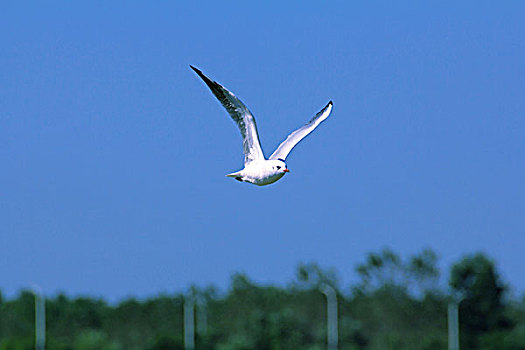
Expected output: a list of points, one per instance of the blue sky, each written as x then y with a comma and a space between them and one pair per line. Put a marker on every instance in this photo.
114, 152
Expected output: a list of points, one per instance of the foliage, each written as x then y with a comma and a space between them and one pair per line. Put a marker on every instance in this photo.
418, 276
476, 280
397, 304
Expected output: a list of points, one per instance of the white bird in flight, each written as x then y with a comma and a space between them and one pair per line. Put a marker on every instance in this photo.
257, 169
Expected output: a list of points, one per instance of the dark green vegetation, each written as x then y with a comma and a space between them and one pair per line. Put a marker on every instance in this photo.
397, 304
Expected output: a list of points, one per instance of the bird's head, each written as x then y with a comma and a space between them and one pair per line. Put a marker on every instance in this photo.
279, 166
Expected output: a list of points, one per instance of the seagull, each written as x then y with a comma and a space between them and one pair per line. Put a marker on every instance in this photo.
257, 169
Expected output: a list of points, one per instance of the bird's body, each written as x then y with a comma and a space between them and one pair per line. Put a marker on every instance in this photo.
262, 172
257, 169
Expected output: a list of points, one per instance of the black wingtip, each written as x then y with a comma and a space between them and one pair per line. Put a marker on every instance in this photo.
207, 80
330, 104
195, 69
201, 74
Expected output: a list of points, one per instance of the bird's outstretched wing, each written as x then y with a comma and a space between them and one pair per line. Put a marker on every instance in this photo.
293, 139
241, 115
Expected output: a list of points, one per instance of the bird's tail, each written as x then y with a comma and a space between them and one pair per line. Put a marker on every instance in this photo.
236, 174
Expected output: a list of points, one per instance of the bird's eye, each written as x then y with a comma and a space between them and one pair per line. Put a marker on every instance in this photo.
278, 167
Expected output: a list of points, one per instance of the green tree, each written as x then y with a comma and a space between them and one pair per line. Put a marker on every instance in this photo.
312, 276
423, 272
94, 340
418, 275
380, 270
395, 304
167, 342
482, 311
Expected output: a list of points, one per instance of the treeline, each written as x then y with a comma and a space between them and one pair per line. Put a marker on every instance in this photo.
397, 304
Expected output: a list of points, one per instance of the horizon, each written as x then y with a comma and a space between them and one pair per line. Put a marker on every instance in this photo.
225, 287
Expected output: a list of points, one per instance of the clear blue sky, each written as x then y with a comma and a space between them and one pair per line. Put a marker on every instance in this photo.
113, 152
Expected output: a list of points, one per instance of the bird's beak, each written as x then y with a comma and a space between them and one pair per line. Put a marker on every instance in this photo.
286, 170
